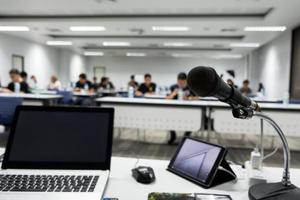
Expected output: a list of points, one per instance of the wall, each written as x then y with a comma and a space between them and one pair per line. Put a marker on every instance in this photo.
163, 70
71, 65
270, 65
40, 60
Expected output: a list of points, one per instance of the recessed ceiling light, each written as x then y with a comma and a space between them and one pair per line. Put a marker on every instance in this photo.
14, 28
116, 44
135, 54
181, 55
265, 28
170, 28
177, 44
93, 53
246, 45
87, 28
59, 43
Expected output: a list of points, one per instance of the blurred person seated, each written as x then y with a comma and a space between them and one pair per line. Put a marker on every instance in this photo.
231, 83
105, 84
261, 92
54, 84
133, 83
180, 91
147, 87
95, 83
83, 84
245, 89
17, 84
24, 76
33, 84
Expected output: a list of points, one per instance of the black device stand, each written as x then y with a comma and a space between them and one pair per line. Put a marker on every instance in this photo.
224, 174
273, 191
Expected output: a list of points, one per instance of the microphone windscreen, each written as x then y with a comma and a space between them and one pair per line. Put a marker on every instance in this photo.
203, 81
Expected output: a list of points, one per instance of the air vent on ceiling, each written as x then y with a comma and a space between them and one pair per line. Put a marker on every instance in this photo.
54, 30
228, 30
218, 46
139, 31
91, 45
153, 45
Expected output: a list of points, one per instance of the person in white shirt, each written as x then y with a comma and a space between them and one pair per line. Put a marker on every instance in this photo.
54, 83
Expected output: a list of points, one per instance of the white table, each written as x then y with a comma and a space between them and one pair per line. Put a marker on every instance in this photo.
155, 114
84, 94
124, 187
286, 115
34, 99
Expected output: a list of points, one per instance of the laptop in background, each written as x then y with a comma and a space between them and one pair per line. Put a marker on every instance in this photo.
57, 153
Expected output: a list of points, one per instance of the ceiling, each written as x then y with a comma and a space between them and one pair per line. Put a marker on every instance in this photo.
213, 24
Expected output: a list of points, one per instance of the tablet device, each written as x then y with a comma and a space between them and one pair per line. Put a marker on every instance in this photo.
197, 161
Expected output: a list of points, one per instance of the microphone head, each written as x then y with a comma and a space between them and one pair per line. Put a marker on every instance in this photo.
203, 81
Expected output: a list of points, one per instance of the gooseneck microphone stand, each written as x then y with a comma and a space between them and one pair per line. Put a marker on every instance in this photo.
283, 190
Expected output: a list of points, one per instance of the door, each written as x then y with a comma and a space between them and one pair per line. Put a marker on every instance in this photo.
18, 62
99, 72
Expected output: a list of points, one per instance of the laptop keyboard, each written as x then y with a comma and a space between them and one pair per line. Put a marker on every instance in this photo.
47, 183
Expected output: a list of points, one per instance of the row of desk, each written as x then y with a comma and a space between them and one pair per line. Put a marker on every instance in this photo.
152, 113
190, 115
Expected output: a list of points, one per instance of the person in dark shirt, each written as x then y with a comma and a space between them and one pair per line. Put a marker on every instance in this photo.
95, 83
147, 87
24, 76
83, 84
105, 84
17, 84
180, 91
133, 83
245, 89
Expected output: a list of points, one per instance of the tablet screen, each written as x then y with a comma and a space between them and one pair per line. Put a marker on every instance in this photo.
197, 160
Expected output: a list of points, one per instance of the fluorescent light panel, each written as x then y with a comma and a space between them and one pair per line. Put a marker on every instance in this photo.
59, 43
93, 53
177, 44
246, 45
135, 54
265, 28
14, 28
87, 28
116, 44
170, 28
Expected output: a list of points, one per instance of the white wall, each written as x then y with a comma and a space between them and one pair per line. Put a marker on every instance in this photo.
71, 65
164, 70
270, 65
40, 60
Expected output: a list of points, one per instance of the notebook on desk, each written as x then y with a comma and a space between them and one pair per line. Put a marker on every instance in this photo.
57, 153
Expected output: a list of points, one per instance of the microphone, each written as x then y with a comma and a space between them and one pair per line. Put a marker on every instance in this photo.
205, 81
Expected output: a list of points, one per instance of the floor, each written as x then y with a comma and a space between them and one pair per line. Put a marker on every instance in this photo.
152, 145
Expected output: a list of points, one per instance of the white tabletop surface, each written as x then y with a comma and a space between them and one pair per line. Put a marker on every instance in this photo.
149, 101
123, 186
199, 103
31, 96
84, 94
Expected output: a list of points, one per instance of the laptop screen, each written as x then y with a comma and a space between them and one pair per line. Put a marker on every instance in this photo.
56, 137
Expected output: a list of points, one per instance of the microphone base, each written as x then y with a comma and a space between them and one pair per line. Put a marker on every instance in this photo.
273, 191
